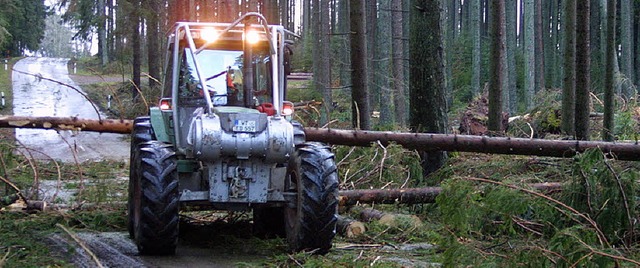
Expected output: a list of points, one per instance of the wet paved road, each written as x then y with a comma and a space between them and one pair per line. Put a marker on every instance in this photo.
39, 97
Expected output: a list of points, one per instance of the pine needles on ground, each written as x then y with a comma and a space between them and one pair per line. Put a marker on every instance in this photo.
591, 222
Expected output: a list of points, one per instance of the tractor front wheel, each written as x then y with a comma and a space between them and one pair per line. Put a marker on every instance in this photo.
142, 132
155, 201
311, 221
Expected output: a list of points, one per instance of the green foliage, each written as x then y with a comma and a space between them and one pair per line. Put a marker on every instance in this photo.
23, 26
626, 124
481, 217
573, 244
605, 194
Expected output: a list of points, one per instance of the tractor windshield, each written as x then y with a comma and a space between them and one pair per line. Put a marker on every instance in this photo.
222, 71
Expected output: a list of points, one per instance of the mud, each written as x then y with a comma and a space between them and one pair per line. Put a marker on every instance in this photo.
33, 96
115, 249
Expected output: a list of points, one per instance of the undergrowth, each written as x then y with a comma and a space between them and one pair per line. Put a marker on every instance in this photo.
590, 222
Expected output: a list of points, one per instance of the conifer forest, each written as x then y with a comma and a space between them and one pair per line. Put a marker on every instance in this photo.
494, 81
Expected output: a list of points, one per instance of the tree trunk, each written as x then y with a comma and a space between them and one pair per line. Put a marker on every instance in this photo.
476, 54
135, 47
539, 46
347, 227
102, 34
383, 64
626, 53
551, 42
511, 9
412, 141
569, 80
397, 48
154, 54
427, 88
325, 56
467, 143
609, 86
409, 196
530, 54
67, 123
496, 80
597, 52
583, 70
371, 8
359, 92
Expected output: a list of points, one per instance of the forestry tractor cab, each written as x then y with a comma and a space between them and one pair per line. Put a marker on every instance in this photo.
222, 138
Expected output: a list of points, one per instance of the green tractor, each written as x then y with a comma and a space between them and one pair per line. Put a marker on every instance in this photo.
222, 138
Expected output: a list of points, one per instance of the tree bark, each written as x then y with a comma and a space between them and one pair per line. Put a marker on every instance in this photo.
409, 195
626, 53
529, 52
496, 81
539, 46
397, 48
476, 54
427, 88
383, 64
154, 54
583, 70
413, 141
569, 80
135, 47
360, 112
102, 33
371, 8
467, 143
609, 86
511, 9
67, 123
347, 227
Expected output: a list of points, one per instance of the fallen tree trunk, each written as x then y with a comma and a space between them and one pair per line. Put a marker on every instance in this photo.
417, 141
390, 219
66, 123
411, 195
467, 143
348, 227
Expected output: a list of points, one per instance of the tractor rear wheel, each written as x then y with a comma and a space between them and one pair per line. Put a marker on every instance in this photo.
155, 201
311, 223
142, 132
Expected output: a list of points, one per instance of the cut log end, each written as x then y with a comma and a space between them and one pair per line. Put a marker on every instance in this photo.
349, 228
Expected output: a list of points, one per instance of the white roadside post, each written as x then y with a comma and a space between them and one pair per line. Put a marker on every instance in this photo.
3, 104
5, 64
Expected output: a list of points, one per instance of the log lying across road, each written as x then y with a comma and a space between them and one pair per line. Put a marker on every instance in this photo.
418, 141
67, 123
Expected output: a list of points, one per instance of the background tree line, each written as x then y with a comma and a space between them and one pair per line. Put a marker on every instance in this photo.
22, 25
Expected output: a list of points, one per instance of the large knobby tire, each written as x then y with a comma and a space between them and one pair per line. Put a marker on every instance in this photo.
155, 200
141, 133
311, 224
